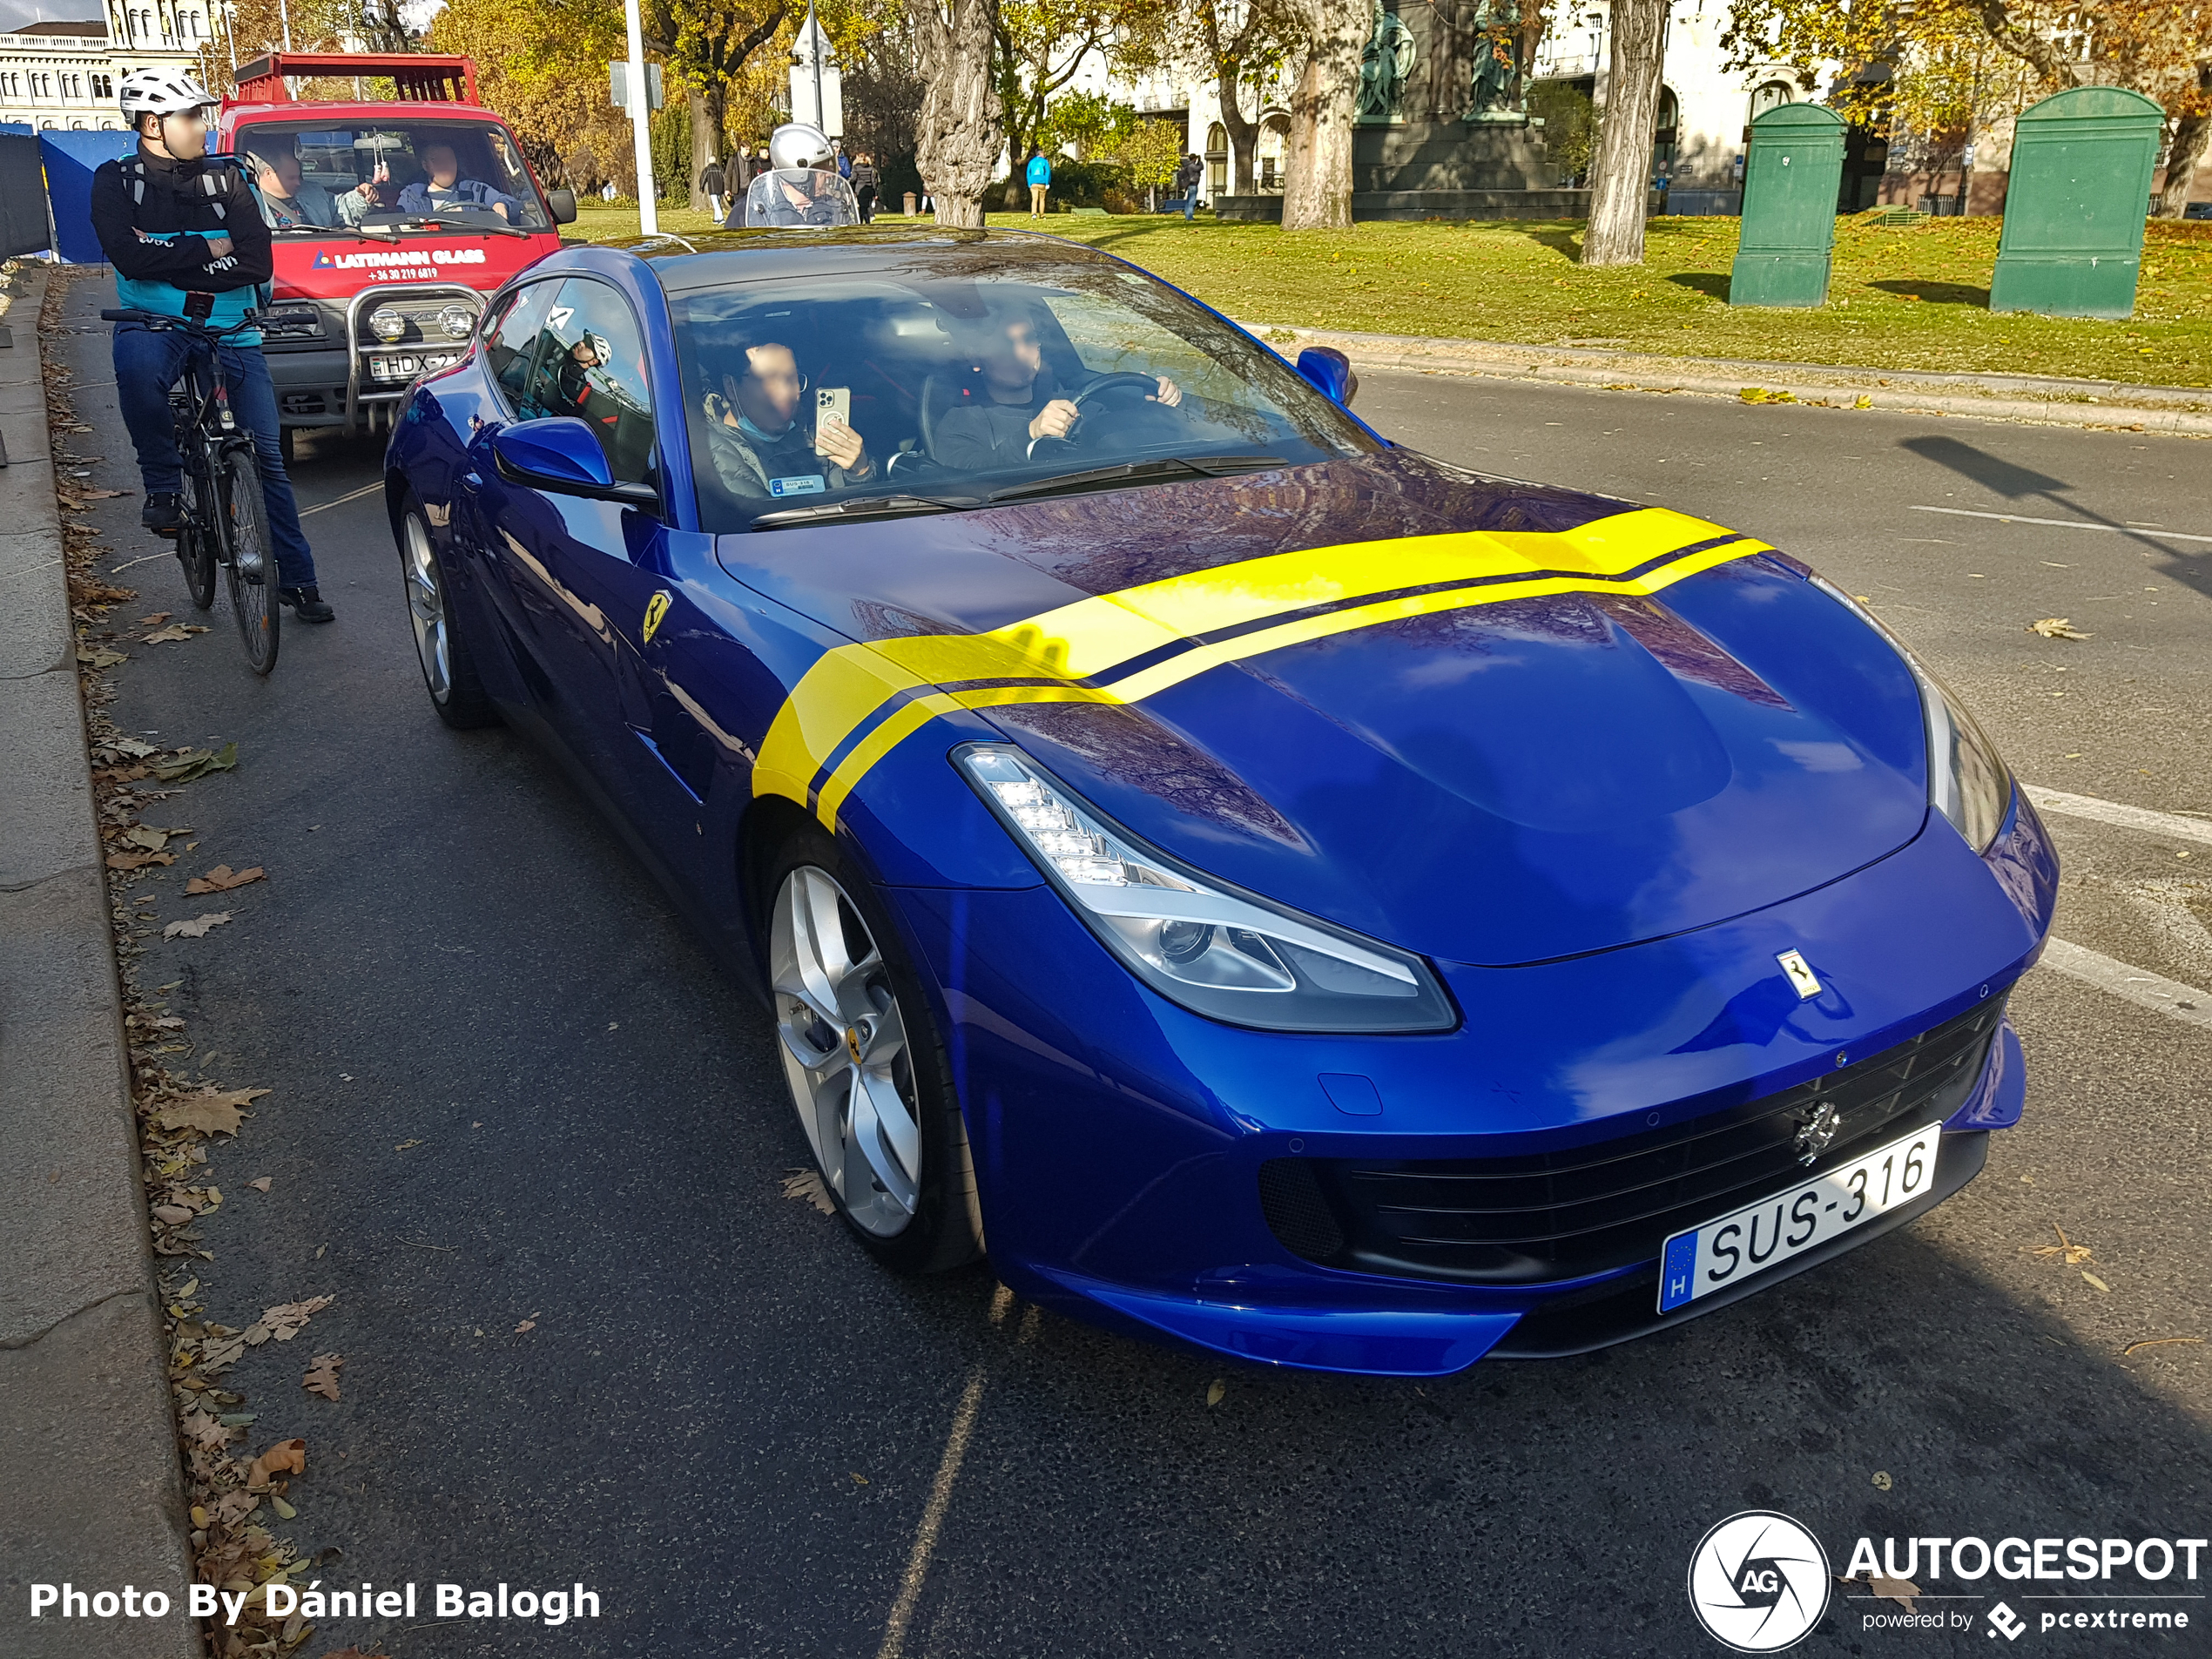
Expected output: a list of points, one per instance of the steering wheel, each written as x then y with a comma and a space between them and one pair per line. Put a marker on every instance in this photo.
1104, 383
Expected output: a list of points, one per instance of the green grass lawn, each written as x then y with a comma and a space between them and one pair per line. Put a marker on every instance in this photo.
1907, 298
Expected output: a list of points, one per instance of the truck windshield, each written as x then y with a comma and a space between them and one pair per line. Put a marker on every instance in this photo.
313, 176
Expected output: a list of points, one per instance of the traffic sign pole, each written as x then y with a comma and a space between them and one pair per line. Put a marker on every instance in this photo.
641, 116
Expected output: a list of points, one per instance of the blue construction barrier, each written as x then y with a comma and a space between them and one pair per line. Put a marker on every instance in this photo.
71, 160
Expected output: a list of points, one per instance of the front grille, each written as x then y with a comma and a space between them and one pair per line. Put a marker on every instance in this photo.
1533, 1219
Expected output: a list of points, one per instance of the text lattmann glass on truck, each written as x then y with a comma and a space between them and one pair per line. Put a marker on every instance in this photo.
393, 220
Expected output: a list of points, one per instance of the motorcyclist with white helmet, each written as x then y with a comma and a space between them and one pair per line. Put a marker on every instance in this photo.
802, 186
187, 239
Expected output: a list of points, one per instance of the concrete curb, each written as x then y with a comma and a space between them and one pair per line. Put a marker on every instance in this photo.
2178, 409
88, 1440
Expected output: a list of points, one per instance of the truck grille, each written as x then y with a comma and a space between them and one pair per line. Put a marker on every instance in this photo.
1550, 1215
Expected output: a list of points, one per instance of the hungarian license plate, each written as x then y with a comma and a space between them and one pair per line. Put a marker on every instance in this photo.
405, 366
1730, 1249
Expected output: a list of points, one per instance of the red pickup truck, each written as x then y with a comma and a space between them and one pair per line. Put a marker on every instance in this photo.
393, 221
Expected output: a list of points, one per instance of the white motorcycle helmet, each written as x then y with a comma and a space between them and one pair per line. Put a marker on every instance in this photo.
797, 146
160, 91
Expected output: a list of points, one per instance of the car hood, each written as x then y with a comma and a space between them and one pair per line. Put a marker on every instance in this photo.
1492, 722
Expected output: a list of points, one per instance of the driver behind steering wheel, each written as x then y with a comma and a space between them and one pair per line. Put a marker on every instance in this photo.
1018, 403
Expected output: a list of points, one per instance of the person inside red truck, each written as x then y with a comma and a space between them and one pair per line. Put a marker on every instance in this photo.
445, 188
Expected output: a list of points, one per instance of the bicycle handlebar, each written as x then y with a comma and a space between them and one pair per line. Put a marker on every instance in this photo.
157, 321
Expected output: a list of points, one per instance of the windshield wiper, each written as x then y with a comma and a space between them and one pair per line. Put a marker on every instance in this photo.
869, 506
335, 230
1139, 472
494, 225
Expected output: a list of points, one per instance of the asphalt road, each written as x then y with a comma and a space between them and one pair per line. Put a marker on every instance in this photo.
509, 1087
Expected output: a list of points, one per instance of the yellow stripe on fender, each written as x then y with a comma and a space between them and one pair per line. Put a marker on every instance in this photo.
1070, 654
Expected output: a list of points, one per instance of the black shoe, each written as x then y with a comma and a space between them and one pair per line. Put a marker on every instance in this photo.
164, 514
306, 604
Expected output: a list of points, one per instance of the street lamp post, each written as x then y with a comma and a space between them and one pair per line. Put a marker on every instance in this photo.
641, 122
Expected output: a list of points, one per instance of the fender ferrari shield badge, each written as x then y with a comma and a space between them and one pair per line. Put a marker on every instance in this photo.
656, 608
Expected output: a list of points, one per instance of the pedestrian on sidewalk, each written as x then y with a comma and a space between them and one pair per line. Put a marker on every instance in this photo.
714, 185
864, 186
1040, 175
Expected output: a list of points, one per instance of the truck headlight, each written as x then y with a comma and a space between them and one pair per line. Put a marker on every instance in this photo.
387, 325
1199, 944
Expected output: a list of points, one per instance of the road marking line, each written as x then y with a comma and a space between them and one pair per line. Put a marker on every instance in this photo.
2126, 817
940, 1496
366, 489
2062, 523
2152, 991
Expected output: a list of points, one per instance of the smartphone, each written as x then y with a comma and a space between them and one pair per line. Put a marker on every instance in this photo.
828, 400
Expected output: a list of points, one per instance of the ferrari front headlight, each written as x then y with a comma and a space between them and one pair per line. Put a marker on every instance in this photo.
1214, 951
1968, 782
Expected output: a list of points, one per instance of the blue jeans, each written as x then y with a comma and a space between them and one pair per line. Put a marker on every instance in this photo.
1191, 206
146, 365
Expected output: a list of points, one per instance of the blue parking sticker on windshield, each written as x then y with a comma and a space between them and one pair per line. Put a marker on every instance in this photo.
807, 483
1675, 1272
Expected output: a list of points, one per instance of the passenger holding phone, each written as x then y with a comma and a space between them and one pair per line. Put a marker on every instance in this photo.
758, 444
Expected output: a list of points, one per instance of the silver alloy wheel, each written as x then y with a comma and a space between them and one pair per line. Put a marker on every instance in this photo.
426, 606
844, 1051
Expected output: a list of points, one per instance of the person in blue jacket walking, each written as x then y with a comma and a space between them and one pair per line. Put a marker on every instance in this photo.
1040, 181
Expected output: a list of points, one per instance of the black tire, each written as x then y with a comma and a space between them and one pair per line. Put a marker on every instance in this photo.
441, 647
250, 569
195, 552
945, 1230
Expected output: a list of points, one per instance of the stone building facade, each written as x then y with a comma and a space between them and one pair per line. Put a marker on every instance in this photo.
61, 77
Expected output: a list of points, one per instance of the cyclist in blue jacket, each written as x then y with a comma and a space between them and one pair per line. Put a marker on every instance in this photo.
187, 239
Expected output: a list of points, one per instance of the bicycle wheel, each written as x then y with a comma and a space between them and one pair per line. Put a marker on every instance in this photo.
195, 545
251, 568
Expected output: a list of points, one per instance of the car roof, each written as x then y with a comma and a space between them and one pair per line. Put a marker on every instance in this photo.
685, 264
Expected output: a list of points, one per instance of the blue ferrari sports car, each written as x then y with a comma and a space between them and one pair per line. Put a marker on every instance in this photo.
1275, 891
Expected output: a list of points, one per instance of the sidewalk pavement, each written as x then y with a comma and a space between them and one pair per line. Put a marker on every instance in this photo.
2181, 409
89, 1469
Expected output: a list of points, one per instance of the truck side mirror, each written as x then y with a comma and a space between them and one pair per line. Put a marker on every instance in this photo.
562, 203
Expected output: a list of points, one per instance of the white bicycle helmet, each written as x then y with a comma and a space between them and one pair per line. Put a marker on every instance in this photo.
161, 92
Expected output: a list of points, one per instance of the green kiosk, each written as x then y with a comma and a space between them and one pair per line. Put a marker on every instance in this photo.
1790, 181
2075, 205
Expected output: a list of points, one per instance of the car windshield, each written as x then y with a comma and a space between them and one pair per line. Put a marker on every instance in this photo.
925, 388
314, 176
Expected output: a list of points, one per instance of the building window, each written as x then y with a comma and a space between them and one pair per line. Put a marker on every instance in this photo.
103, 86
1772, 94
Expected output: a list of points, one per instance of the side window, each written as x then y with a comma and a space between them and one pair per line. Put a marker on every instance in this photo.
592, 364
512, 345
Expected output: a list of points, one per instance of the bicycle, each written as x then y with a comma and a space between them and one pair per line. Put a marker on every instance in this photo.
225, 519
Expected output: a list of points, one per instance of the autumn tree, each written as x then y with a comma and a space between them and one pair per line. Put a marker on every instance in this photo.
542, 64
957, 135
1317, 183
1620, 171
1239, 44
1041, 44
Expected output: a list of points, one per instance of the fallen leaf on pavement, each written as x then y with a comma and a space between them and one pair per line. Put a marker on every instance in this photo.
157, 619
286, 1457
222, 878
100, 658
175, 1214
2056, 628
147, 836
322, 1375
137, 861
286, 1319
807, 1186
261, 1184
175, 631
203, 1430
184, 766
527, 1324
211, 1113
2095, 1280
285, 1511
1215, 1390
2072, 1254
1899, 1590
197, 927
2158, 1342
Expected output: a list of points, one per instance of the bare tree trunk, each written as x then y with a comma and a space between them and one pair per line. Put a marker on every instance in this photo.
957, 137
1229, 69
2192, 137
1317, 184
702, 148
1621, 176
